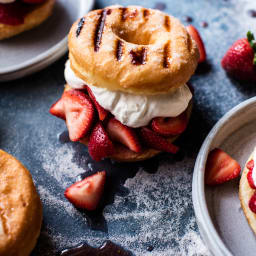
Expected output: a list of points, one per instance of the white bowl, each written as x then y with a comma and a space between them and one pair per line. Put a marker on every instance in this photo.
220, 218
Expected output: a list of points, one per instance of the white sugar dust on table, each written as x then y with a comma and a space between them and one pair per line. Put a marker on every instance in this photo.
156, 211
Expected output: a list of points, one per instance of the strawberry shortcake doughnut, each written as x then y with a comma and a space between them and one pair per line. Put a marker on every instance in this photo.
126, 95
20, 208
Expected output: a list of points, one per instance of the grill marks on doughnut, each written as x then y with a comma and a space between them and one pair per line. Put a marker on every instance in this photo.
139, 56
167, 23
80, 26
119, 49
167, 55
125, 14
99, 29
146, 13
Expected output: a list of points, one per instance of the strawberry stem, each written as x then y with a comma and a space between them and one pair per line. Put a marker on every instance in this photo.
252, 42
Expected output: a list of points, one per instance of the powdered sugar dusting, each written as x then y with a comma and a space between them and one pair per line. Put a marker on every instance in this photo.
156, 211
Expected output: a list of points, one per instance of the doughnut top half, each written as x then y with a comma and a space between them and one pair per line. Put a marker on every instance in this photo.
132, 49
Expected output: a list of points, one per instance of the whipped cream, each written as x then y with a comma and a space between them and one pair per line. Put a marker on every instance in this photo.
254, 167
131, 109
7, 1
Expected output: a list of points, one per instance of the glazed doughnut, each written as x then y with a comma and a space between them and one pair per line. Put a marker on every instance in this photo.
245, 194
20, 208
133, 49
32, 19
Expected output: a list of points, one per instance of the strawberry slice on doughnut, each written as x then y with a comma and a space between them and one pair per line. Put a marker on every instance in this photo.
252, 203
100, 145
250, 166
170, 125
123, 134
154, 140
79, 112
57, 109
101, 111
77, 109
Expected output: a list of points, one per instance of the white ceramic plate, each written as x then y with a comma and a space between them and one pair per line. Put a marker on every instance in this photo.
35, 49
220, 217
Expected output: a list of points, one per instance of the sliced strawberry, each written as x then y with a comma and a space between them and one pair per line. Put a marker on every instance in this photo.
101, 111
123, 134
170, 125
57, 109
100, 145
196, 36
79, 112
153, 140
86, 193
220, 167
250, 166
252, 203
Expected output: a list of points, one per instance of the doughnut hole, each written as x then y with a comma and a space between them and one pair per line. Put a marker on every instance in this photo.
138, 36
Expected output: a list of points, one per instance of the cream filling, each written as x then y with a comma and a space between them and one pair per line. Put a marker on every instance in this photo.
131, 109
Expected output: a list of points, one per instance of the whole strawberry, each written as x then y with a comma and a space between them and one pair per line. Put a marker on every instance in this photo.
240, 59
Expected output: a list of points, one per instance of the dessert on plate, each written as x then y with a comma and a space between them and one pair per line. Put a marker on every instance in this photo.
20, 208
126, 95
247, 191
17, 16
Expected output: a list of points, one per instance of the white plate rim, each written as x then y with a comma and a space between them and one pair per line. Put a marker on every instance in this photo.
205, 224
58, 50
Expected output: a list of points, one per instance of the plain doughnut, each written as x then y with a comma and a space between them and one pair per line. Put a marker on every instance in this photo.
20, 208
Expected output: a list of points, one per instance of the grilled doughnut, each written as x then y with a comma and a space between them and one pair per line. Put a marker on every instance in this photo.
133, 49
20, 208
32, 19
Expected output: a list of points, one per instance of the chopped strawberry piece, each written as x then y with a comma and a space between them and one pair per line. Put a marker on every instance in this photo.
100, 145
250, 180
170, 125
154, 140
79, 112
86, 194
252, 203
77, 109
57, 109
123, 134
196, 36
250, 166
101, 111
220, 167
